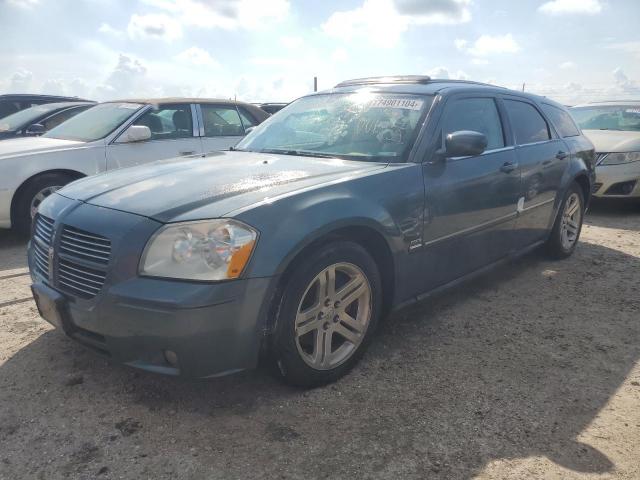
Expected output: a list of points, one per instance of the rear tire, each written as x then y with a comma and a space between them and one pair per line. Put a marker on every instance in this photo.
568, 225
327, 315
32, 195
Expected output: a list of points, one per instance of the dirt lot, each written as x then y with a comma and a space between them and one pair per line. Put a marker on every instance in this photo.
529, 372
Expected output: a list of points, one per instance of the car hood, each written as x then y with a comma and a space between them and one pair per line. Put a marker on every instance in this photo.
30, 145
614, 140
209, 187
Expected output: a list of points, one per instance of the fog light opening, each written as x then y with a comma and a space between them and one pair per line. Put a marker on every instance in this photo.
171, 357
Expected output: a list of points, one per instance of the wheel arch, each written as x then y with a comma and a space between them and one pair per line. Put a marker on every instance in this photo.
367, 236
74, 174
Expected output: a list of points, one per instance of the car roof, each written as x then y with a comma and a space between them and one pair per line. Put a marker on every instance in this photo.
422, 84
30, 96
178, 100
54, 105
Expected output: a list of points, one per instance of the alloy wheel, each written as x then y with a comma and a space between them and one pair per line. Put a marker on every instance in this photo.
571, 219
333, 316
40, 196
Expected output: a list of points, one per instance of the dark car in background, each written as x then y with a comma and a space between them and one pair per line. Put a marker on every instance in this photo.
352, 202
40, 119
272, 107
14, 102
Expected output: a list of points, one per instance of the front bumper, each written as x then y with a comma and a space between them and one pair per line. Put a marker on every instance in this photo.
610, 177
212, 329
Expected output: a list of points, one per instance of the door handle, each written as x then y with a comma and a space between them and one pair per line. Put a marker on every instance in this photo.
508, 167
561, 155
191, 152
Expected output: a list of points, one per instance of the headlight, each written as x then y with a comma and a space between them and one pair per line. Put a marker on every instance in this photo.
620, 158
205, 250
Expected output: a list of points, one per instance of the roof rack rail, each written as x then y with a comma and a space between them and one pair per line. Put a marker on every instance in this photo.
422, 79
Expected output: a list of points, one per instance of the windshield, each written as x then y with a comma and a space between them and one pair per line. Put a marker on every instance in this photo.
25, 117
355, 126
618, 117
94, 123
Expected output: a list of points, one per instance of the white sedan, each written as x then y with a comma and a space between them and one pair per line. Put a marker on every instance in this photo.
114, 135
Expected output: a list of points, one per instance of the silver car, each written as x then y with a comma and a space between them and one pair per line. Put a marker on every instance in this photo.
614, 129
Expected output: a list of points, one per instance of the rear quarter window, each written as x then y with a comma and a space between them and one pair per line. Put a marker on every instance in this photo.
561, 120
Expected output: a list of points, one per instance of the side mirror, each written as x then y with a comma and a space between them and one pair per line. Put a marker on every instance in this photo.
249, 130
35, 129
465, 143
135, 133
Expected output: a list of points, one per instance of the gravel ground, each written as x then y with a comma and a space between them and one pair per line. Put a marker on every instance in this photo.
529, 372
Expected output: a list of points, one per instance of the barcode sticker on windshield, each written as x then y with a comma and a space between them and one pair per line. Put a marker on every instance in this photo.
406, 103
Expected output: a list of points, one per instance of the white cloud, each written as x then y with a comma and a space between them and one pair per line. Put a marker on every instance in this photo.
197, 56
20, 81
561, 7
292, 42
445, 74
480, 61
24, 3
54, 86
460, 43
109, 30
487, 45
627, 47
339, 55
567, 65
126, 80
228, 14
155, 26
384, 21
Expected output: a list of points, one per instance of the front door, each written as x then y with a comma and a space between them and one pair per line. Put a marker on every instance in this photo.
172, 135
471, 202
543, 159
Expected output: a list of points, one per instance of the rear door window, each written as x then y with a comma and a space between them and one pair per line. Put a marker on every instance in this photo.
561, 120
221, 121
478, 115
527, 123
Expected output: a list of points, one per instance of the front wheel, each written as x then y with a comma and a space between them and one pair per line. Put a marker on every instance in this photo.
33, 195
328, 312
568, 225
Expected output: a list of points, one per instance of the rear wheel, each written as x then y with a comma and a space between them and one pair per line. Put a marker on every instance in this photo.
34, 193
328, 312
568, 225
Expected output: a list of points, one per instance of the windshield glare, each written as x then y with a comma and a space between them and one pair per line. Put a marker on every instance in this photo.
618, 117
25, 117
358, 126
94, 123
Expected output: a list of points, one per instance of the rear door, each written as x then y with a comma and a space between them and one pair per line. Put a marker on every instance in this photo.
470, 201
222, 126
543, 158
172, 135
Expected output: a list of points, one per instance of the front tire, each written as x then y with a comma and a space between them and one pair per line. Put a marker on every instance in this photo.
328, 312
32, 195
568, 225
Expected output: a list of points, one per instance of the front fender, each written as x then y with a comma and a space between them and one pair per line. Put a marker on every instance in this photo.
389, 202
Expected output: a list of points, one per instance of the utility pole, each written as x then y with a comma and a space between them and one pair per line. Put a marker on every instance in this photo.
523, 86
315, 84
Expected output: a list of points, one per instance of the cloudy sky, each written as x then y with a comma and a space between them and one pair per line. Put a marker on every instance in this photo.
270, 50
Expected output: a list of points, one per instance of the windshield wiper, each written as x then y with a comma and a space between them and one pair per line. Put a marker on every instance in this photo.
299, 153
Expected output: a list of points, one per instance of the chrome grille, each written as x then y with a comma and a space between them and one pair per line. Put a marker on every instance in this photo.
85, 245
83, 257
42, 235
80, 280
